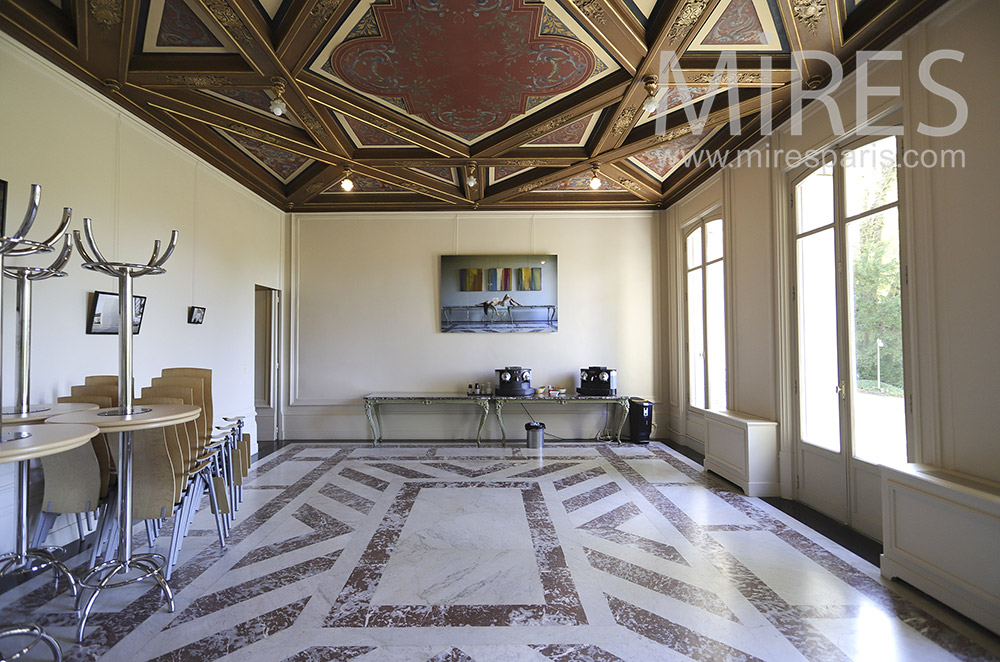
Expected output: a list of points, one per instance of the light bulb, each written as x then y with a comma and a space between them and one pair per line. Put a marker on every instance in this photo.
278, 106
471, 181
595, 181
347, 184
649, 105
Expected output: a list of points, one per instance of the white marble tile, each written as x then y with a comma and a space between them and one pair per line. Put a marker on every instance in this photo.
793, 576
657, 471
285, 473
467, 518
703, 506
460, 577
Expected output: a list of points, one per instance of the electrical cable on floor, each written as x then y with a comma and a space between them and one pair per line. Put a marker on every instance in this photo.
553, 436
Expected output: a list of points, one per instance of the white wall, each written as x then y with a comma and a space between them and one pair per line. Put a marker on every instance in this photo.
137, 186
952, 237
365, 316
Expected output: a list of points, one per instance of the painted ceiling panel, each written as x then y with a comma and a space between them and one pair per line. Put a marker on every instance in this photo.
663, 160
281, 163
581, 183
744, 26
467, 68
414, 91
574, 134
173, 26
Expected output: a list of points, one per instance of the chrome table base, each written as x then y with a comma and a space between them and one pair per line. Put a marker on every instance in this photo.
38, 636
100, 578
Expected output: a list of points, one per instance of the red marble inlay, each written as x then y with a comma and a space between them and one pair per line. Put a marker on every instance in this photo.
466, 67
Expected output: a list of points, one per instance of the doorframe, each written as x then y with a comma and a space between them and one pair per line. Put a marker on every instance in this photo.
274, 355
786, 280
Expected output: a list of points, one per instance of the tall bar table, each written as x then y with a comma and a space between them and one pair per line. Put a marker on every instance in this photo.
149, 565
29, 442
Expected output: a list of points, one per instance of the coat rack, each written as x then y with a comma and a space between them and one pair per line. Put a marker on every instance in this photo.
16, 245
25, 276
149, 565
24, 559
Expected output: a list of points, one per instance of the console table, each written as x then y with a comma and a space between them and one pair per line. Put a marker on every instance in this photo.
611, 429
374, 402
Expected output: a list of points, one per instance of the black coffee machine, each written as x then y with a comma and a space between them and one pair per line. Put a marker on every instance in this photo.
514, 381
598, 380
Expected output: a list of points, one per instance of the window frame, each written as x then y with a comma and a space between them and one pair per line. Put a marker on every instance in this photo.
700, 223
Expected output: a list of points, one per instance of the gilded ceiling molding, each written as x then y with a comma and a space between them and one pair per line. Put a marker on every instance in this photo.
322, 11
230, 20
630, 184
520, 162
107, 12
592, 9
689, 15
728, 77
313, 124
316, 187
624, 121
547, 127
809, 12
200, 81
525, 188
257, 134
672, 134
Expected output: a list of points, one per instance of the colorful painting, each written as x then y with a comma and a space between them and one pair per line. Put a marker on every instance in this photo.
470, 280
529, 279
499, 280
514, 300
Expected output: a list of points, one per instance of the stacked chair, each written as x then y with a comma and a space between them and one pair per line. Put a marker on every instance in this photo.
175, 466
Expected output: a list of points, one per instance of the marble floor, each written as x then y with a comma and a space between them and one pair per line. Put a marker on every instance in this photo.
581, 552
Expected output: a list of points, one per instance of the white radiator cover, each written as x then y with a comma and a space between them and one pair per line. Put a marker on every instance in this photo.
941, 534
743, 449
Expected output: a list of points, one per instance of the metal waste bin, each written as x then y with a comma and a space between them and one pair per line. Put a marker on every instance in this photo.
536, 434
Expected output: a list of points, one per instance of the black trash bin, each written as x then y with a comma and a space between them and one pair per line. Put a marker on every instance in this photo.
640, 420
536, 434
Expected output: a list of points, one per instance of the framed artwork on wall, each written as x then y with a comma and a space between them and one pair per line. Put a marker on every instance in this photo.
532, 308
196, 315
102, 316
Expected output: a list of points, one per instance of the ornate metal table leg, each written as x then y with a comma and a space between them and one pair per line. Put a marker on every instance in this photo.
503, 430
30, 631
485, 404
371, 421
623, 402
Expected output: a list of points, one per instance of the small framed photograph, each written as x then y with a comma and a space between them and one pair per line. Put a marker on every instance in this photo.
3, 207
196, 315
103, 318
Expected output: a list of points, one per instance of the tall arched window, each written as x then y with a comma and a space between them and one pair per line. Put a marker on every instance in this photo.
706, 314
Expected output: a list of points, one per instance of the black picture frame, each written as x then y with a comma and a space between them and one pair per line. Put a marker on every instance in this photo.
3, 208
196, 315
102, 315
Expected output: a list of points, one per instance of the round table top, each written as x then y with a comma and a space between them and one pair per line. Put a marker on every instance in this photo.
159, 416
44, 440
47, 411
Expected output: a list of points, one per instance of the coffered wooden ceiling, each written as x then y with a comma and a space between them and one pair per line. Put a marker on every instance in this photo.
414, 95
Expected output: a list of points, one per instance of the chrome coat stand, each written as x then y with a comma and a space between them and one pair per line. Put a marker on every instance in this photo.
20, 560
149, 565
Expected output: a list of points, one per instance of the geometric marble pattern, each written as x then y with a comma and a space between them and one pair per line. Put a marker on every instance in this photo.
578, 552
